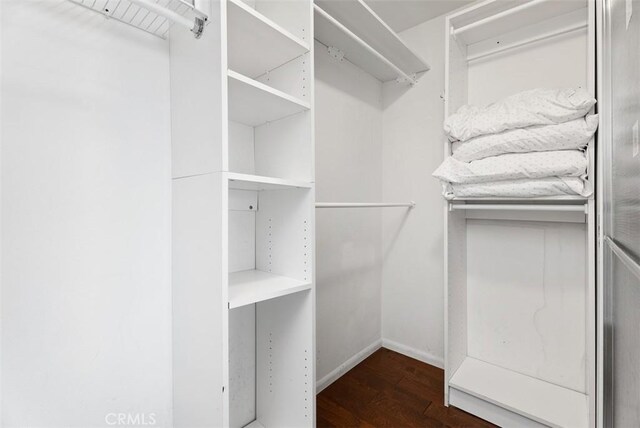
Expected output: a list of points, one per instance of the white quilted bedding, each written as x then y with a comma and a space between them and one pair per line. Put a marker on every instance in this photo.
529, 108
515, 166
536, 188
572, 135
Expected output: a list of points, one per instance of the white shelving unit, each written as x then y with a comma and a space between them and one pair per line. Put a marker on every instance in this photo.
519, 275
243, 223
366, 40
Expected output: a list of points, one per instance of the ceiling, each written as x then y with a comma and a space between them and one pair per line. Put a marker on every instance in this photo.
403, 14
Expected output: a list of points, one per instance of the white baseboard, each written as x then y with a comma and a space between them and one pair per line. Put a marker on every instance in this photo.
347, 365
423, 356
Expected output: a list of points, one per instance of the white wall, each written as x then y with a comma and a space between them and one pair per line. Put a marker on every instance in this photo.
413, 272
85, 218
349, 169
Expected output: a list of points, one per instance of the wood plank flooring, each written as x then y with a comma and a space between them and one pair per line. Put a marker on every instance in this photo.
390, 390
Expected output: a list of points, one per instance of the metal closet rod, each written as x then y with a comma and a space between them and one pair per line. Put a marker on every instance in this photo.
489, 19
529, 41
582, 208
409, 205
196, 25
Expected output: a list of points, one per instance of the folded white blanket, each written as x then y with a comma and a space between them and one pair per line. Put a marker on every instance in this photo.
515, 166
572, 135
538, 188
528, 108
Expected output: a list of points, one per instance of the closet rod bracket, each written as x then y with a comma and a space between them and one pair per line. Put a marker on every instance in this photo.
411, 79
336, 53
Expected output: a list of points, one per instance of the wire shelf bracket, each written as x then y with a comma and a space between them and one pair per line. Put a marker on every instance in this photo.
152, 16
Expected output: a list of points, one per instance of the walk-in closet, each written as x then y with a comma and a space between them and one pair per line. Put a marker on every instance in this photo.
319, 213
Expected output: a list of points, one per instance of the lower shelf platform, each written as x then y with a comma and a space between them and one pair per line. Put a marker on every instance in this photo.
252, 286
532, 398
254, 424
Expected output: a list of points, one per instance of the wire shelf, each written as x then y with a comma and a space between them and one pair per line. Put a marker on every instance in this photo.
145, 19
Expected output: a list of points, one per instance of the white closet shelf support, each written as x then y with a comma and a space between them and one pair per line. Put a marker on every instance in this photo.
581, 208
409, 205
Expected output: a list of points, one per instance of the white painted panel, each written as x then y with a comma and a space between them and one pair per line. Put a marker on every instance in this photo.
199, 300
86, 218
243, 200
285, 384
197, 92
241, 152
242, 366
242, 240
559, 62
284, 148
294, 15
527, 298
291, 78
284, 233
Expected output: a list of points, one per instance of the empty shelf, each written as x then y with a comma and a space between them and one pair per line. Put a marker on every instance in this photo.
358, 18
254, 424
253, 103
533, 398
257, 44
251, 286
255, 182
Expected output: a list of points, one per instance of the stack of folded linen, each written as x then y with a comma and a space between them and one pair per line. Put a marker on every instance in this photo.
531, 144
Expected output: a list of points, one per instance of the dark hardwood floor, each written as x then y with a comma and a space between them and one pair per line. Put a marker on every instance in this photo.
390, 390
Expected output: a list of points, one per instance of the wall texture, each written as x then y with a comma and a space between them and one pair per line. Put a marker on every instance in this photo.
348, 169
86, 192
413, 273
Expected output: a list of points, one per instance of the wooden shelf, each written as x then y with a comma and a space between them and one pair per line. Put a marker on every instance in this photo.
533, 398
251, 286
489, 22
256, 182
387, 51
257, 44
253, 103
